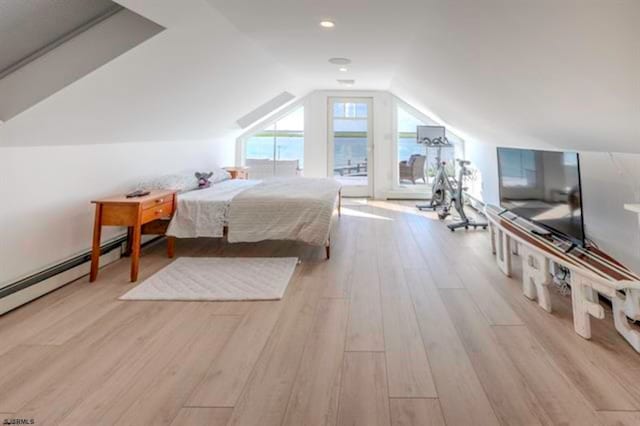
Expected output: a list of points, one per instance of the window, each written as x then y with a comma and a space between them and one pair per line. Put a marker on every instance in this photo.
418, 164
278, 150
411, 155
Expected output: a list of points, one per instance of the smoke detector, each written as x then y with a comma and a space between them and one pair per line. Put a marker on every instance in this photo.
340, 61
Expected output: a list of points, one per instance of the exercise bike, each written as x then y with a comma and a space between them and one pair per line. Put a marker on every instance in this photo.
457, 201
440, 190
441, 181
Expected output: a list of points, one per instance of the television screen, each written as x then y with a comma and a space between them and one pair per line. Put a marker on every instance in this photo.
543, 186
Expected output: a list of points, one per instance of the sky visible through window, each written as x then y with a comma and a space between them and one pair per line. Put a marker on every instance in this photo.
282, 140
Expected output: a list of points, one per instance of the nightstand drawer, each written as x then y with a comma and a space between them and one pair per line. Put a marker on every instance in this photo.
119, 215
154, 212
157, 201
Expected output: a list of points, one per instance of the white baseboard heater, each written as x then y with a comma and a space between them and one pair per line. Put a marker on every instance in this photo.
32, 287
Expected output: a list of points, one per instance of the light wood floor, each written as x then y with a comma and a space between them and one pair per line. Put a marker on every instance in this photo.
408, 323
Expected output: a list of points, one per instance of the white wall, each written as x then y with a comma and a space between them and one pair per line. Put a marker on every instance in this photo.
608, 182
484, 159
169, 104
46, 216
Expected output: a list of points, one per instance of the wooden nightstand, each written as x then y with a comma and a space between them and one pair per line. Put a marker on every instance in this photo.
238, 172
132, 213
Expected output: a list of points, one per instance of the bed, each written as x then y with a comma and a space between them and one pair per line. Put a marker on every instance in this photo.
299, 209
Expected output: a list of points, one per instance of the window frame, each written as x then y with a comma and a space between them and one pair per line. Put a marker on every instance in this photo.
396, 186
263, 124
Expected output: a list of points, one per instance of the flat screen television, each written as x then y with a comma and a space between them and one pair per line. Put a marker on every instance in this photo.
544, 187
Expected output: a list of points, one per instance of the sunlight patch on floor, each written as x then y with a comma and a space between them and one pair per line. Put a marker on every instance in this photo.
358, 213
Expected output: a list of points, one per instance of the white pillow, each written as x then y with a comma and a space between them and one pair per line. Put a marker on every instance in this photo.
219, 175
176, 182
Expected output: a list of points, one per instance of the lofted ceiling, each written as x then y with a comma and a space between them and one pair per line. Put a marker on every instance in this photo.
374, 34
564, 73
559, 73
547, 73
192, 81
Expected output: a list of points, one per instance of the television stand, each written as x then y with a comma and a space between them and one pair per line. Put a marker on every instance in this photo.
545, 234
593, 272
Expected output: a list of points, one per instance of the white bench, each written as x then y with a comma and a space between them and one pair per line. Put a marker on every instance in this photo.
592, 273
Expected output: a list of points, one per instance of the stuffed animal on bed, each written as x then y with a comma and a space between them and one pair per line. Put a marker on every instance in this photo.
203, 179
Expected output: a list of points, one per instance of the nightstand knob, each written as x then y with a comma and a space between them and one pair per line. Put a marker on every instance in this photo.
160, 200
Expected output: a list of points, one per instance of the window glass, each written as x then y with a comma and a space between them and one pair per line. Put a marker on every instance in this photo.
412, 157
278, 150
418, 164
350, 142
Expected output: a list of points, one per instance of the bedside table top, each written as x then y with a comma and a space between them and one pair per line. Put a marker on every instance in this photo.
236, 169
122, 199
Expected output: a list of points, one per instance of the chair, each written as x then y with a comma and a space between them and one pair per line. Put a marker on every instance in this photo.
287, 168
413, 168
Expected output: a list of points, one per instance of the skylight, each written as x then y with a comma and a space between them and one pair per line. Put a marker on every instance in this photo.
30, 28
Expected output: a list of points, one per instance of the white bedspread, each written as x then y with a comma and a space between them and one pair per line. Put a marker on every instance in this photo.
204, 212
284, 209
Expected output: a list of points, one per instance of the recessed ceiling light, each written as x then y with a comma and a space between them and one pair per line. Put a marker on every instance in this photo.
343, 69
340, 61
327, 24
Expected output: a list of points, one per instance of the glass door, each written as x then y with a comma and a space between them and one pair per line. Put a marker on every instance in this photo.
351, 145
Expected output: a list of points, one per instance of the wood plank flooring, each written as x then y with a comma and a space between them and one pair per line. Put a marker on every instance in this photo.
407, 324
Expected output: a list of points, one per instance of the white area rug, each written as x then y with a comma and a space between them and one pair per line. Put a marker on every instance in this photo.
219, 278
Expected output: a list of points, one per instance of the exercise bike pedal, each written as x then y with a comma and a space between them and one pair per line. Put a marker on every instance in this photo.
423, 207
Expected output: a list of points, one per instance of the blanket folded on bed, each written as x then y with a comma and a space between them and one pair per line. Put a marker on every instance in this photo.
284, 209
204, 212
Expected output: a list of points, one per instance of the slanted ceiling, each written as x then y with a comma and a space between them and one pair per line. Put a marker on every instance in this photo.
564, 73
189, 82
30, 26
548, 73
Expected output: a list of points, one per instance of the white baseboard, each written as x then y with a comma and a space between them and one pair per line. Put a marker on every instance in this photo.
30, 293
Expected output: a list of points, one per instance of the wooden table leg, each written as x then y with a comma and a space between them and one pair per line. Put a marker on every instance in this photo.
127, 252
328, 248
135, 252
171, 247
95, 249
